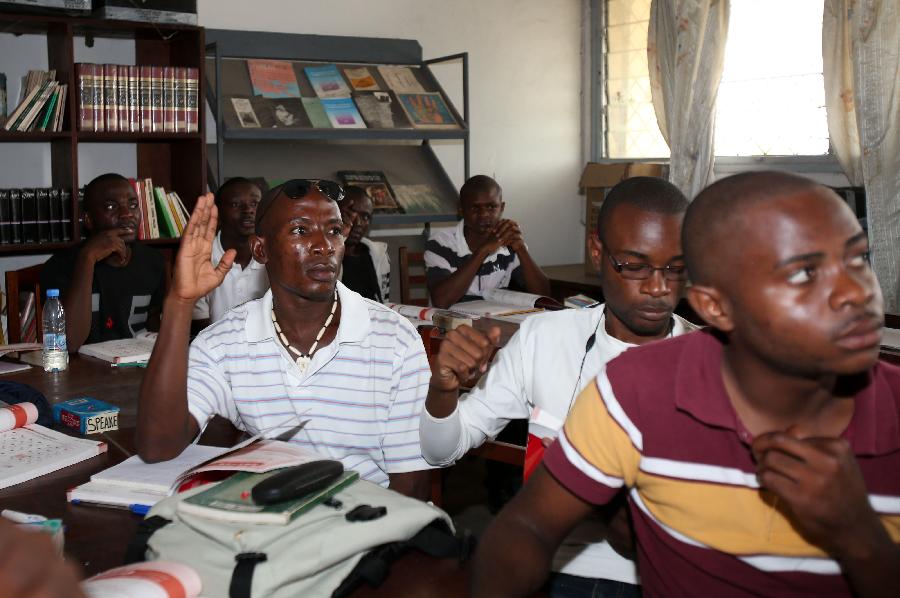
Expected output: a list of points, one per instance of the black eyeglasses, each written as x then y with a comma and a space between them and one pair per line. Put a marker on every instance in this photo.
643, 271
298, 189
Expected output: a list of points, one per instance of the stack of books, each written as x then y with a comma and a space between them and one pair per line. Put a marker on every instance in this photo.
163, 214
35, 215
43, 104
145, 99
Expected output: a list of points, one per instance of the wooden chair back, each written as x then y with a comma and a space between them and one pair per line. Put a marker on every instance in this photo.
18, 281
413, 288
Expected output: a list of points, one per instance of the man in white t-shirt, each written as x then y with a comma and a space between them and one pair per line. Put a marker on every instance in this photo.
236, 201
636, 249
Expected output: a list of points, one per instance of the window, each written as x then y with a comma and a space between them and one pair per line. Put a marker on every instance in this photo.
771, 98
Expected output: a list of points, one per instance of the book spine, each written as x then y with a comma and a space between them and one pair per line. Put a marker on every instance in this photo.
15, 215
180, 99
49, 109
65, 214
34, 100
173, 210
156, 98
192, 100
84, 74
61, 108
29, 216
97, 79
134, 99
5, 214
42, 219
151, 209
144, 87
169, 108
55, 216
122, 97
111, 97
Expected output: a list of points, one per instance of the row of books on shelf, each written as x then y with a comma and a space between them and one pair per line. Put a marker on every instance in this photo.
144, 99
43, 104
163, 214
345, 98
35, 215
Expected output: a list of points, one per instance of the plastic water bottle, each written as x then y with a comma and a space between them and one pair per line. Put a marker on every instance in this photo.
56, 353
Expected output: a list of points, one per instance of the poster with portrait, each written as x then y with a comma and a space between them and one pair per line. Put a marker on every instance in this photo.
376, 186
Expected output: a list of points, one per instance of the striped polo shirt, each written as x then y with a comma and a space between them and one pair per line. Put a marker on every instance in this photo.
658, 421
447, 251
362, 393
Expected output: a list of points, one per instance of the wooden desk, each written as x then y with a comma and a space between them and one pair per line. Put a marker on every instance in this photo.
570, 279
91, 377
96, 537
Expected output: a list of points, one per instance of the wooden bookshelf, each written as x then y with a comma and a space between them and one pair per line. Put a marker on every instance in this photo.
176, 161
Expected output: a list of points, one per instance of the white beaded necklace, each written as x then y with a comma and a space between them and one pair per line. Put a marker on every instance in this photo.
303, 359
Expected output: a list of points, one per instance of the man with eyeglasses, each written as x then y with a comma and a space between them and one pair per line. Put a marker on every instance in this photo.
636, 249
309, 349
483, 252
366, 267
760, 455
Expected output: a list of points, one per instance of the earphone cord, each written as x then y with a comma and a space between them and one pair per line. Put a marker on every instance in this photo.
587, 349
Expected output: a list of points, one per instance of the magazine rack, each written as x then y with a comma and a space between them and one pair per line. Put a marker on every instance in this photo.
404, 155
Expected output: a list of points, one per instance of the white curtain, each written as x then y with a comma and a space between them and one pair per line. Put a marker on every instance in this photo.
686, 53
861, 60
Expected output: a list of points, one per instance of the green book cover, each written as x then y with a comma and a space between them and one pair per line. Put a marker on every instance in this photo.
316, 113
162, 209
48, 111
230, 500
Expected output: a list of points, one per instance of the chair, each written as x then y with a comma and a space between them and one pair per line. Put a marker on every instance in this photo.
414, 260
18, 281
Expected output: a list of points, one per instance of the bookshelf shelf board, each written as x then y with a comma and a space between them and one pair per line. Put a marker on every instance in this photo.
349, 134
164, 242
133, 137
6, 248
410, 219
18, 136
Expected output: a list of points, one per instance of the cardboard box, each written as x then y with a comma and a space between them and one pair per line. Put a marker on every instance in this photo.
87, 415
74, 7
596, 181
180, 12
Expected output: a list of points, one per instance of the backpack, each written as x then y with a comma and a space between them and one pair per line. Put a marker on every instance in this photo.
322, 552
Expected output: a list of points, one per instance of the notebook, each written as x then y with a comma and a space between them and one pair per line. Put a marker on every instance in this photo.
126, 350
33, 451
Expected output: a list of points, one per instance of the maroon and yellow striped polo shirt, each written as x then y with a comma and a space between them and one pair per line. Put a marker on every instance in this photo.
657, 420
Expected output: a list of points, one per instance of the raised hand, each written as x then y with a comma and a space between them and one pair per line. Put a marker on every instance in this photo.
194, 274
463, 353
821, 486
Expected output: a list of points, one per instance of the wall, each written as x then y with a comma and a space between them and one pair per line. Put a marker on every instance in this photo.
524, 90
524, 82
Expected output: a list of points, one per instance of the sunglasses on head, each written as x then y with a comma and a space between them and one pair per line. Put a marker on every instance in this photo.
298, 189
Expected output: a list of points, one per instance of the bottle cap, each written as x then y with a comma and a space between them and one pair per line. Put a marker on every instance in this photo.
53, 292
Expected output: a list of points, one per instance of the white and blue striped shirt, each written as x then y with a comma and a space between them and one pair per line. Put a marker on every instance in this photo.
363, 393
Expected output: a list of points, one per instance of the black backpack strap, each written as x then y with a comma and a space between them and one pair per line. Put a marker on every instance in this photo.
435, 539
136, 552
242, 576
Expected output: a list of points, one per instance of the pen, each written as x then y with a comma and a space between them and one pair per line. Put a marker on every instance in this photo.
19, 517
138, 364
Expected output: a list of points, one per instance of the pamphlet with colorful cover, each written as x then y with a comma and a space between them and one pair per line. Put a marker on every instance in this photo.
427, 110
327, 81
273, 78
316, 113
342, 113
361, 79
376, 186
231, 500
